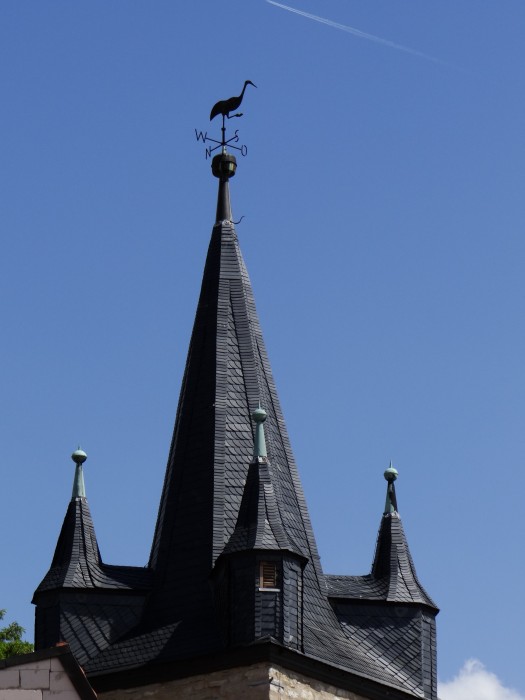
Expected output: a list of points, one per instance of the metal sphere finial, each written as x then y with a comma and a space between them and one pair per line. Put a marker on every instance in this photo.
259, 415
79, 456
224, 165
391, 474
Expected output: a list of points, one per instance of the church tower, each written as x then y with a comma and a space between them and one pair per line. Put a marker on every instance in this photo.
233, 602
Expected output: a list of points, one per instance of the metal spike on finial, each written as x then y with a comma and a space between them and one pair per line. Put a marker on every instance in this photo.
391, 475
79, 489
259, 445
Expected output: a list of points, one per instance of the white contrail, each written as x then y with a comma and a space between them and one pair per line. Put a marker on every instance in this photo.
357, 32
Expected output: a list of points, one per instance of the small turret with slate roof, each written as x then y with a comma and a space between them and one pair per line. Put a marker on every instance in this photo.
81, 600
234, 578
259, 575
393, 563
389, 611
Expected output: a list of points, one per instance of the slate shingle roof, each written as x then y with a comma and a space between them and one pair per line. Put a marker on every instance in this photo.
356, 587
93, 623
388, 612
227, 376
77, 562
259, 524
393, 577
214, 501
394, 566
392, 636
98, 602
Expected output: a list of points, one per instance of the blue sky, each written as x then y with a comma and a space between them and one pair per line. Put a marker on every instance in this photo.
383, 207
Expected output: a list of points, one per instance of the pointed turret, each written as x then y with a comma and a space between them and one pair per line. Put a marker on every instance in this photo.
393, 564
76, 562
260, 556
259, 525
391, 598
108, 599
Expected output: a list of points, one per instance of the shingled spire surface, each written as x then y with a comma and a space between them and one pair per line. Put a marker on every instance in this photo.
393, 564
76, 562
259, 525
227, 376
229, 513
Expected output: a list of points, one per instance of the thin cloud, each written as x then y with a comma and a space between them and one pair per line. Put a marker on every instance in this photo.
475, 682
357, 32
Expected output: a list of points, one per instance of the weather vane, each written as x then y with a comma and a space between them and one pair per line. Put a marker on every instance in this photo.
224, 107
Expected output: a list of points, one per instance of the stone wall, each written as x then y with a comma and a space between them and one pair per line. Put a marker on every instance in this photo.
257, 682
286, 684
43, 679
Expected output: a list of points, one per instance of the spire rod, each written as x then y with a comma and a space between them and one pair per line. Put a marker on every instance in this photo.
259, 445
79, 489
223, 166
391, 500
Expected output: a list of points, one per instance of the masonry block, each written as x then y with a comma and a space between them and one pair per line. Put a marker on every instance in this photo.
10, 678
60, 681
43, 664
18, 694
59, 695
34, 679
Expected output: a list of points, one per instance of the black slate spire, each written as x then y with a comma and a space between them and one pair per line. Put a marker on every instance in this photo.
227, 376
234, 572
393, 564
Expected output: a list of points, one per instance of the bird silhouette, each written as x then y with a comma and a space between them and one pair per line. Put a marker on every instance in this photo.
224, 107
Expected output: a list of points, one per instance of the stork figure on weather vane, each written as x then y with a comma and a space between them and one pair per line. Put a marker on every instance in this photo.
224, 107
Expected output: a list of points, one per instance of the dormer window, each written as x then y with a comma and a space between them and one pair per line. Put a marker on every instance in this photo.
268, 576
